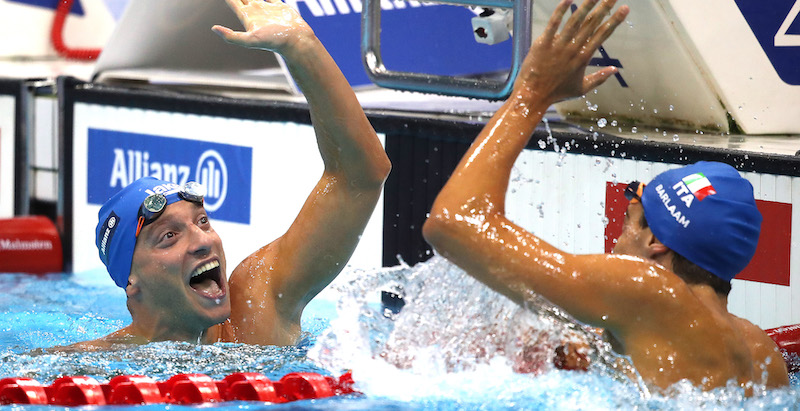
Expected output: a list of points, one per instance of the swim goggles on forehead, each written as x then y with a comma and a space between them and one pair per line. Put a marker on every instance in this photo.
633, 192
153, 206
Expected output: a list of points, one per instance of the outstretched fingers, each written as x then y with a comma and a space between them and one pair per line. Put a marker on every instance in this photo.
575, 22
605, 31
236, 6
594, 80
594, 20
555, 20
601, 34
230, 36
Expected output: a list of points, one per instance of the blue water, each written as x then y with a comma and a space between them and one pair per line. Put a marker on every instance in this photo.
455, 345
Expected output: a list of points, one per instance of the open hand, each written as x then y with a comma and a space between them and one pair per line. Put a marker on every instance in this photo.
555, 65
269, 24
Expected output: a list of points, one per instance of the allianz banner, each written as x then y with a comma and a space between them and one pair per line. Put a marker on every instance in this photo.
115, 159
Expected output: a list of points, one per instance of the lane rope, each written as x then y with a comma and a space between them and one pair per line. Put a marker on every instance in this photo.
179, 389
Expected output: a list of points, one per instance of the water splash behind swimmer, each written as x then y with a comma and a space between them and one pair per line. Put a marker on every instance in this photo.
450, 323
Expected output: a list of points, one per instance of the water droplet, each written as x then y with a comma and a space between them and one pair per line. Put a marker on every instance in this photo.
675, 137
655, 111
671, 107
602, 122
634, 130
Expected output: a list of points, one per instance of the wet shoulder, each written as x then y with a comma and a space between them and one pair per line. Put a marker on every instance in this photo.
652, 288
120, 339
768, 362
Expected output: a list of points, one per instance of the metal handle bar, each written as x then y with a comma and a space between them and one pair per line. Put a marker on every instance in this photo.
448, 85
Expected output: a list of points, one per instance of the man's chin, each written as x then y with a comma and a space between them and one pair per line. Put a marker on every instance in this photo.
218, 313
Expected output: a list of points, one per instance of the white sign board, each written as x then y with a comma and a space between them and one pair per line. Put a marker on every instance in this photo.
7, 150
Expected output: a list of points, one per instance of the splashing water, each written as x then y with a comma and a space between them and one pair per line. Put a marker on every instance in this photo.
455, 345
441, 341
459, 342
159, 360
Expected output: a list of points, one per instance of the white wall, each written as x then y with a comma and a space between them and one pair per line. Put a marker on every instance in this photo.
7, 146
25, 29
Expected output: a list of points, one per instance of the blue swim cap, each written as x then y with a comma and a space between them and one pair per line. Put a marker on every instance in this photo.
705, 212
117, 221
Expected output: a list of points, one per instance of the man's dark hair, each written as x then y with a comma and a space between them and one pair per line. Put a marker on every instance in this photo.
691, 273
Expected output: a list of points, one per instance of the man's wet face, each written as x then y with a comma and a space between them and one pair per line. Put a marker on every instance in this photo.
633, 240
179, 268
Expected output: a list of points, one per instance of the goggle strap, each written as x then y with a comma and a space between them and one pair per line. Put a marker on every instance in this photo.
634, 195
139, 225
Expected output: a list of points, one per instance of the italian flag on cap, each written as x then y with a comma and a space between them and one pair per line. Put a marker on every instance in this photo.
699, 185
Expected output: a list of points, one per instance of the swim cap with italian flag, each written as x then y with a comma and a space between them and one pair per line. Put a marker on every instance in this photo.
705, 212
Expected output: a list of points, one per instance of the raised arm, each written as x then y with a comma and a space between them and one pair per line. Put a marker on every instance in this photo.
271, 287
468, 224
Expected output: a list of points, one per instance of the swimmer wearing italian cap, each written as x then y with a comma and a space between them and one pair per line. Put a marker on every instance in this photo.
158, 244
661, 297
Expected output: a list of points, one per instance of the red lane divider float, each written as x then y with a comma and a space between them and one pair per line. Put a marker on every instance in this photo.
180, 389
788, 340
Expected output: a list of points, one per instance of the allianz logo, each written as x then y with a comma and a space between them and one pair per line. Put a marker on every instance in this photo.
322, 8
210, 171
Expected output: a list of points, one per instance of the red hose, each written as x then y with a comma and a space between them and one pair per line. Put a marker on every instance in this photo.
56, 35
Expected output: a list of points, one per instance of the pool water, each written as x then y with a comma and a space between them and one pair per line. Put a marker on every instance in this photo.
454, 345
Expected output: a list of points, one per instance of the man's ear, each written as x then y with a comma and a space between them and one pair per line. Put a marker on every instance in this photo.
655, 248
132, 288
